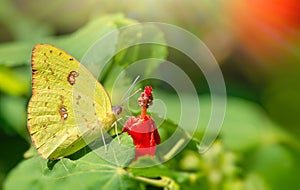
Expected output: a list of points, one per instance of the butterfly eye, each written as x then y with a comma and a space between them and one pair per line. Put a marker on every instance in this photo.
117, 109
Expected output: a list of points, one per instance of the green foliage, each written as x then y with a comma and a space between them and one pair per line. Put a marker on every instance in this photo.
251, 151
223, 166
16, 107
90, 171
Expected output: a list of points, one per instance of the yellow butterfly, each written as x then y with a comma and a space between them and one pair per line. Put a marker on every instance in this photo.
69, 108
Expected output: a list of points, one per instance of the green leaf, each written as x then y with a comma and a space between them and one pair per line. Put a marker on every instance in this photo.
13, 113
21, 26
174, 139
154, 168
118, 153
77, 43
13, 148
245, 125
277, 165
131, 49
15, 53
157, 175
138, 42
14, 81
89, 172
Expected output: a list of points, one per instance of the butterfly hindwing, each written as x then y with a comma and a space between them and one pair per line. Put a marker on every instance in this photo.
68, 108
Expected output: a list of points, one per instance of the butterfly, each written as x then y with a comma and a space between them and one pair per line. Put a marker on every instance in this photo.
69, 108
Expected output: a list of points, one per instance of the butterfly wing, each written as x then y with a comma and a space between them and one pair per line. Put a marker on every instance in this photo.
68, 108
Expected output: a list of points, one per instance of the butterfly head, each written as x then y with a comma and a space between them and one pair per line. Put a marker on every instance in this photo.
117, 110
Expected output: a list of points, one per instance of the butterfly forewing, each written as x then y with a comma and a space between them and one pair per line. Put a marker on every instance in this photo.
68, 108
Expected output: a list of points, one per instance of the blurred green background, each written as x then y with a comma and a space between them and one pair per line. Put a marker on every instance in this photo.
256, 43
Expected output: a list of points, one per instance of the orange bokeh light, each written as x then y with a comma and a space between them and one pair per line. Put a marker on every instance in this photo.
266, 30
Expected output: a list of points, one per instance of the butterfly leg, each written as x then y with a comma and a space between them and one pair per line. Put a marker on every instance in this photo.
64, 166
105, 147
116, 130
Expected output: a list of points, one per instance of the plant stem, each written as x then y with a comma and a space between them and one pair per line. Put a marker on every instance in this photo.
144, 112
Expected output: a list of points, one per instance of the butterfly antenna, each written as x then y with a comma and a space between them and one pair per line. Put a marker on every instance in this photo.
128, 97
125, 97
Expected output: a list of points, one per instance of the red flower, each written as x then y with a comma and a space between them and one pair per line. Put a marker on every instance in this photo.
142, 128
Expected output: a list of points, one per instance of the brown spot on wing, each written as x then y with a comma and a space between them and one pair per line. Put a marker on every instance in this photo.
45, 126
77, 99
51, 70
72, 77
63, 112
